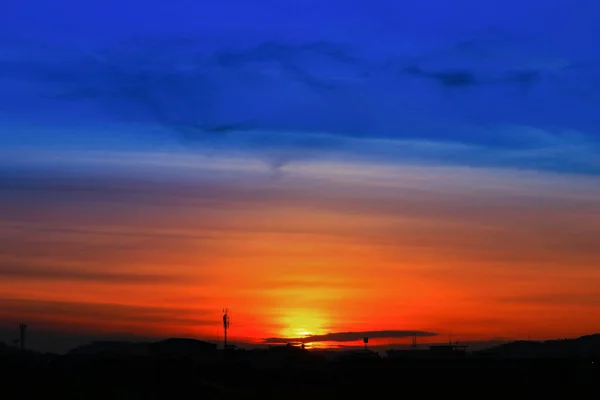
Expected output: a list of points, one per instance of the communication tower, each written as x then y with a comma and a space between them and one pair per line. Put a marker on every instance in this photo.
225, 327
22, 328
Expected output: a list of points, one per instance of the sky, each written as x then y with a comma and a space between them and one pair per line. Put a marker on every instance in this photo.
317, 168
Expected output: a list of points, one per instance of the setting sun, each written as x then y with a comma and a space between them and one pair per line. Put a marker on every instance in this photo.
303, 323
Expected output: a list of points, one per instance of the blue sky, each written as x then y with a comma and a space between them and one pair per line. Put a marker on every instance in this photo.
473, 83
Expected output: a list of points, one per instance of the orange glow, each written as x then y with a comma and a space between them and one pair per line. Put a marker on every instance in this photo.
479, 262
303, 323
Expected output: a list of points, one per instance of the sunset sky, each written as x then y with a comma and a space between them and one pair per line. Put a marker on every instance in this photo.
316, 167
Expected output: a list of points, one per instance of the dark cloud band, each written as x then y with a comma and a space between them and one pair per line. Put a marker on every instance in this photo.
350, 336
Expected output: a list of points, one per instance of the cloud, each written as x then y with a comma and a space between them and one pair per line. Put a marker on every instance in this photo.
194, 187
49, 313
275, 86
350, 336
187, 180
449, 78
223, 100
492, 56
50, 273
554, 299
512, 146
133, 233
508, 146
302, 283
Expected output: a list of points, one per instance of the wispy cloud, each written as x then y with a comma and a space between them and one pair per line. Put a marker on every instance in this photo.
50, 313
556, 299
510, 146
50, 273
223, 97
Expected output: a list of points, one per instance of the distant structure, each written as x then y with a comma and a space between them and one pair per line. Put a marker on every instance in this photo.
434, 352
448, 350
225, 327
414, 340
22, 328
366, 342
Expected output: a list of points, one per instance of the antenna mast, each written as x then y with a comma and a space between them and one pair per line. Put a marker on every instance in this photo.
22, 328
225, 327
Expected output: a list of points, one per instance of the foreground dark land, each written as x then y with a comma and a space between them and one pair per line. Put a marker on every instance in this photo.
151, 378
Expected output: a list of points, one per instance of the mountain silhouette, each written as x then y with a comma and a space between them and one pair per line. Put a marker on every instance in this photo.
112, 348
173, 347
180, 348
582, 347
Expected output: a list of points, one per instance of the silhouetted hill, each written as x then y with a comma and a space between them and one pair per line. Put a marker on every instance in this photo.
165, 370
180, 348
583, 347
174, 347
112, 348
6, 349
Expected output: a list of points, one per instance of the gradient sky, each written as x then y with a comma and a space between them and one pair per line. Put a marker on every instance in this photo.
316, 167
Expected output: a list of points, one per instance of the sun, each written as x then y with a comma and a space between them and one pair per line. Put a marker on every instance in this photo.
303, 323
303, 333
